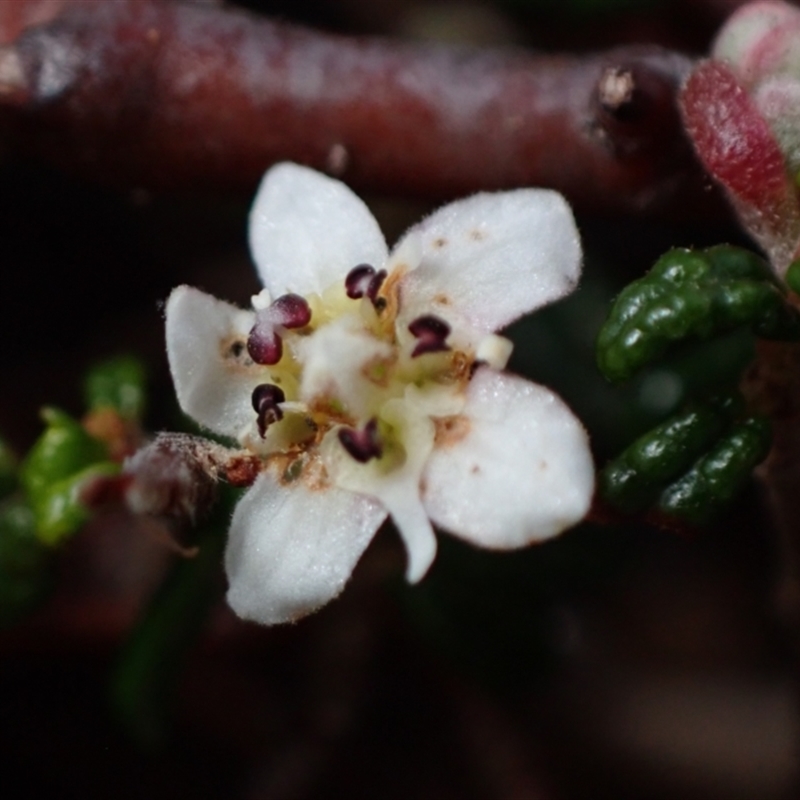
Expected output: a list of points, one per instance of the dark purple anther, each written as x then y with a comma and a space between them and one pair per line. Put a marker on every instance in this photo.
375, 284
264, 348
266, 397
291, 311
364, 280
357, 282
431, 332
363, 445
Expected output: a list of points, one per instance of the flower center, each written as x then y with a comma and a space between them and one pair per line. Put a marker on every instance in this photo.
340, 364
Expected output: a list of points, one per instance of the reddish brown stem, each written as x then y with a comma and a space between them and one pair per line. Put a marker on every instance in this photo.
147, 93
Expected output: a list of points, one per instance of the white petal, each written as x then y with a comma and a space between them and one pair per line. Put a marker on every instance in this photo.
213, 375
517, 470
308, 231
394, 479
491, 258
291, 549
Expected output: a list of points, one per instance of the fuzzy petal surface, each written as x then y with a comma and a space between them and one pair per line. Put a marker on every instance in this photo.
213, 375
291, 549
396, 488
308, 231
515, 468
490, 258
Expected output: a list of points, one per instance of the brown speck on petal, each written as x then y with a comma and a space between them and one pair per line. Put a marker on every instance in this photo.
450, 430
233, 350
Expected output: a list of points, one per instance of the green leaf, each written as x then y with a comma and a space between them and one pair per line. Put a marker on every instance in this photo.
692, 294
58, 509
62, 450
119, 384
717, 477
633, 480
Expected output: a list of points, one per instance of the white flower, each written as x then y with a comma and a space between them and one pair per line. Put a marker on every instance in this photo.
378, 387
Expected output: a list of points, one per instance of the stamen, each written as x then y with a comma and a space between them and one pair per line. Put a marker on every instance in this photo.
375, 285
265, 399
362, 445
358, 280
291, 311
431, 332
363, 280
264, 347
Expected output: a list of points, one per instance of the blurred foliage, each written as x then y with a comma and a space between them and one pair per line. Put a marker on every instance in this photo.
24, 561
61, 461
119, 384
40, 500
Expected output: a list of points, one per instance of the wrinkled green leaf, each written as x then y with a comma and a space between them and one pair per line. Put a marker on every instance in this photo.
717, 477
633, 480
692, 294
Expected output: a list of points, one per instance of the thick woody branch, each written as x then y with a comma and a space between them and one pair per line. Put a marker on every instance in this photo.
155, 94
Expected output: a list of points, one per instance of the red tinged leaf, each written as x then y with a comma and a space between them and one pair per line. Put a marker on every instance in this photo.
737, 147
